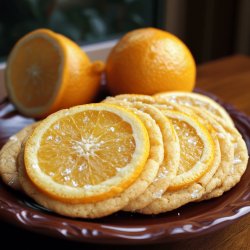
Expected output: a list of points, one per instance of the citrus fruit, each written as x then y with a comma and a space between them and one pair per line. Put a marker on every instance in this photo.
87, 153
197, 149
47, 72
148, 61
194, 100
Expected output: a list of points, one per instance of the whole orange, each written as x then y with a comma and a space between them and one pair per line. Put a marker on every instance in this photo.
148, 61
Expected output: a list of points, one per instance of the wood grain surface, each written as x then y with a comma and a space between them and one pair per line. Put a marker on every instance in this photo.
228, 78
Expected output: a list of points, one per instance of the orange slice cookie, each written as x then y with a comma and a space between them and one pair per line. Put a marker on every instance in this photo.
233, 149
110, 205
169, 166
87, 153
231, 174
189, 191
194, 100
197, 149
226, 147
131, 98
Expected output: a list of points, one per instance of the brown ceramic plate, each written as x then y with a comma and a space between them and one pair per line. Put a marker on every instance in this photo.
189, 221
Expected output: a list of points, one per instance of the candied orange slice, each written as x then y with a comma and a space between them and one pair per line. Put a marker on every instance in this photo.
196, 149
194, 100
87, 153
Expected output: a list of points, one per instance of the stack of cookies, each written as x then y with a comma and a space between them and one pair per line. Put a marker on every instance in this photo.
136, 153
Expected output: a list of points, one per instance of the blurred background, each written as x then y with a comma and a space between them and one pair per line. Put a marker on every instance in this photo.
210, 28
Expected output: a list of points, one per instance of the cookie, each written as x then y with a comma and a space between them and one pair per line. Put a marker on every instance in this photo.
111, 205
231, 173
131, 98
232, 147
8, 157
169, 166
194, 100
173, 199
234, 156
226, 147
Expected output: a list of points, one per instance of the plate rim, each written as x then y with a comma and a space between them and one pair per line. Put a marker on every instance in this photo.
91, 231
33, 220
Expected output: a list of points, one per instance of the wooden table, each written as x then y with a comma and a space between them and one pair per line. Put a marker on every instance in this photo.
228, 78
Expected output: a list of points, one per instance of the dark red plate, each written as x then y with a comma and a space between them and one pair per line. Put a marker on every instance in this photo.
188, 221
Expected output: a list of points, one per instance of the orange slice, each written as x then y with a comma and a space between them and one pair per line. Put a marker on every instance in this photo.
196, 149
194, 100
47, 72
87, 153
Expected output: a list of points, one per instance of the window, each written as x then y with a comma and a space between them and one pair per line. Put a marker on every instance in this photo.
84, 21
